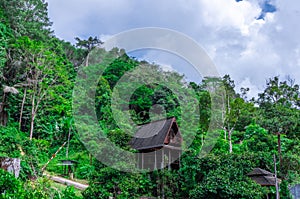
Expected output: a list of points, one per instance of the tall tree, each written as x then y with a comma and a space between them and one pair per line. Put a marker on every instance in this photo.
43, 71
236, 112
231, 110
279, 107
27, 18
4, 39
88, 45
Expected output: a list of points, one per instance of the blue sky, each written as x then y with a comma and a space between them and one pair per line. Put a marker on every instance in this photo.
251, 40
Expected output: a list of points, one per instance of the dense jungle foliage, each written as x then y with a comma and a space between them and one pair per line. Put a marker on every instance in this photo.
38, 73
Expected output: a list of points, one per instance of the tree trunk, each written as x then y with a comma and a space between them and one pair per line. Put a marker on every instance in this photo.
279, 148
32, 117
11, 165
64, 181
276, 182
87, 59
32, 124
230, 142
22, 108
3, 113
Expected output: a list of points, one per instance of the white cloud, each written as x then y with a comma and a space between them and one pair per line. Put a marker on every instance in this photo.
169, 62
166, 67
229, 14
254, 89
248, 49
104, 37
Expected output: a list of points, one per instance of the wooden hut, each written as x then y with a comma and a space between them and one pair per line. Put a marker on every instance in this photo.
263, 177
69, 167
158, 144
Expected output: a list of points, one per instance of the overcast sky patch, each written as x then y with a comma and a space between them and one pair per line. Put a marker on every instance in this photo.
252, 40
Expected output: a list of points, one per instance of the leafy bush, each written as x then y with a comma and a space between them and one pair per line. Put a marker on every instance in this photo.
12, 188
11, 141
15, 144
222, 176
69, 193
9, 186
227, 182
84, 172
109, 182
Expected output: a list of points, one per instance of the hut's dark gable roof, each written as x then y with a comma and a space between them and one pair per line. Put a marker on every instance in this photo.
154, 134
259, 172
264, 180
263, 177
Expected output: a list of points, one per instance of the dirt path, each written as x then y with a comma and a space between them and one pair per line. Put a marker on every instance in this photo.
65, 181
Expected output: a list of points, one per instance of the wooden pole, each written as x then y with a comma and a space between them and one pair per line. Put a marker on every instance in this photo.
138, 160
162, 158
155, 161
69, 135
53, 156
169, 159
142, 160
179, 156
276, 182
162, 185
